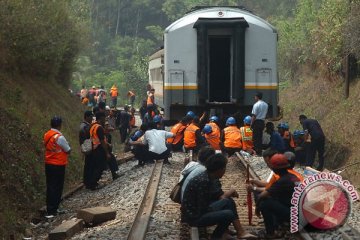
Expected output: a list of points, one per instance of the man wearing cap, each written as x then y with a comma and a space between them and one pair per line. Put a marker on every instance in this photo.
57, 150
275, 202
258, 115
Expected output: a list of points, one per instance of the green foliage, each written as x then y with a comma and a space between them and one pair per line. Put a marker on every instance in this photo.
38, 38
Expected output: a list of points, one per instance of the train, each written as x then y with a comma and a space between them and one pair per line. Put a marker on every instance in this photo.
215, 59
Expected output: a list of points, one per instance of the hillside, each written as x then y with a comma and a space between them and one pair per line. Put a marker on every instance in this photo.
320, 98
26, 107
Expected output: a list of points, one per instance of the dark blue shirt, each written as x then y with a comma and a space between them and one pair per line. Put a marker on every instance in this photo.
314, 128
277, 142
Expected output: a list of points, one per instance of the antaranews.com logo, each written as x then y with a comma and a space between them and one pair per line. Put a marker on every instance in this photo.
322, 200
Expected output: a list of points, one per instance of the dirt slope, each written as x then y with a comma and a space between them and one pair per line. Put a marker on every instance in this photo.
26, 107
323, 99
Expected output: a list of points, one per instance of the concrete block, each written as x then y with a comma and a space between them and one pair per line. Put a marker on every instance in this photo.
96, 215
67, 229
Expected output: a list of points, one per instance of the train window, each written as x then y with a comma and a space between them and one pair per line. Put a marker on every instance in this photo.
264, 60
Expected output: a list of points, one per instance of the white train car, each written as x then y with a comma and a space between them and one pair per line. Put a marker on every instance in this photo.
216, 58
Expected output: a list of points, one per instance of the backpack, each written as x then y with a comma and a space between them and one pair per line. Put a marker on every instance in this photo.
86, 146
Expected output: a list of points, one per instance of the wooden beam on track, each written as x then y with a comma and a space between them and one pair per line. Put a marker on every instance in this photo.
139, 227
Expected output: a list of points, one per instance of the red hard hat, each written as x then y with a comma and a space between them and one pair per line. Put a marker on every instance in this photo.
278, 161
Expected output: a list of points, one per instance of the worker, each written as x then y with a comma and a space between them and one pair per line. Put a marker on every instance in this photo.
131, 96
100, 153
214, 123
231, 137
57, 150
178, 130
275, 202
193, 140
159, 122
247, 136
191, 114
132, 117
114, 94
313, 130
258, 113
276, 141
150, 103
300, 146
283, 129
212, 137
139, 149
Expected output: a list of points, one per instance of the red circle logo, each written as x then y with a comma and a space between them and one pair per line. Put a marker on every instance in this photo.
325, 205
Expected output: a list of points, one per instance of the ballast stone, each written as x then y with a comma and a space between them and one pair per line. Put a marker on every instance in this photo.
67, 229
96, 215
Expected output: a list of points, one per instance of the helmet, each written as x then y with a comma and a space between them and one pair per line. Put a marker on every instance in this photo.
283, 125
157, 119
298, 133
230, 121
214, 119
136, 135
207, 129
55, 121
247, 120
190, 114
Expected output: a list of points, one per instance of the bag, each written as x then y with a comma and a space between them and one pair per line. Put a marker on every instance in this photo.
86, 147
175, 194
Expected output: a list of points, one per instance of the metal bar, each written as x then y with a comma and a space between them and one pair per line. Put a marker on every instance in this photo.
139, 227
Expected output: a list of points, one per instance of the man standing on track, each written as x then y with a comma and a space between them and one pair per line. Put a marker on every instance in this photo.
258, 113
316, 138
57, 150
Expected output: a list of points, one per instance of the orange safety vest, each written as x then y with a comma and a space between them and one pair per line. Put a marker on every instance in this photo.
289, 136
189, 136
232, 137
114, 92
132, 120
178, 129
214, 127
246, 138
54, 154
276, 177
213, 139
150, 99
93, 135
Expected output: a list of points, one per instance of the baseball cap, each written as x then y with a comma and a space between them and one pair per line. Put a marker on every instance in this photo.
279, 161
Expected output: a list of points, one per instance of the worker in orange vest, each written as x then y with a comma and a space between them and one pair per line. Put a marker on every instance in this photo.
113, 94
193, 140
150, 102
100, 153
132, 118
231, 137
131, 96
178, 129
212, 137
247, 136
283, 129
57, 150
213, 122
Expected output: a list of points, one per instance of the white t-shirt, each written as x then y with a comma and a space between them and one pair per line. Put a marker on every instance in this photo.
156, 140
260, 109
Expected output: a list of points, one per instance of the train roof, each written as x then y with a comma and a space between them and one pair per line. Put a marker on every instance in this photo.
226, 13
157, 54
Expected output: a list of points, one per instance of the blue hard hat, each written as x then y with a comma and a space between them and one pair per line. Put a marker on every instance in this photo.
136, 135
247, 120
298, 133
230, 121
214, 119
286, 126
190, 114
207, 129
157, 119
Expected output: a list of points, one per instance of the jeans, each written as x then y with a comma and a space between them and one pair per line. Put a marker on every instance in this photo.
55, 176
274, 213
221, 213
316, 145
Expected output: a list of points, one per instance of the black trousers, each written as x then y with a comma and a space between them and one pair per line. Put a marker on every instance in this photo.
258, 129
141, 153
112, 164
123, 133
274, 213
164, 155
55, 176
96, 165
316, 145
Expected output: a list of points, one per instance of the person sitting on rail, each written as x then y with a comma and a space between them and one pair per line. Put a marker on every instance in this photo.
300, 153
193, 140
137, 147
283, 129
212, 136
197, 208
156, 140
246, 136
178, 129
274, 203
231, 137
276, 141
